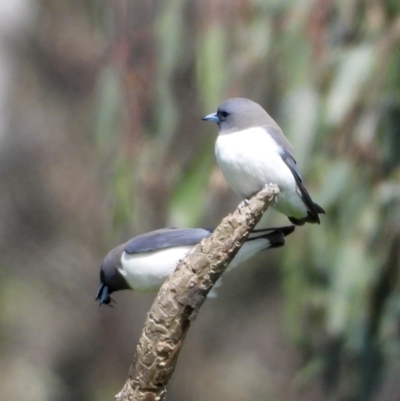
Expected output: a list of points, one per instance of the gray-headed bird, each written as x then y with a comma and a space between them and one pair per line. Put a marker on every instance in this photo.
252, 153
144, 263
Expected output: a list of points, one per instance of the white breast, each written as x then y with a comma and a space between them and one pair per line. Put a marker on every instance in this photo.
147, 271
249, 160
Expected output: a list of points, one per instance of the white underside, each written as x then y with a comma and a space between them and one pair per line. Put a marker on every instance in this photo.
147, 271
249, 160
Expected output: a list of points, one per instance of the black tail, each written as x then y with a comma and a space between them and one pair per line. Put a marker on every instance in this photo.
276, 236
312, 218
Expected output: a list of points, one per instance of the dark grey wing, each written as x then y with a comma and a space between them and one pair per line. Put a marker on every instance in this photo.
288, 158
166, 238
280, 138
313, 209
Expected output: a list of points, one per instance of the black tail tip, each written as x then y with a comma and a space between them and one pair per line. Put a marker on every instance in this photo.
279, 236
312, 216
319, 209
287, 230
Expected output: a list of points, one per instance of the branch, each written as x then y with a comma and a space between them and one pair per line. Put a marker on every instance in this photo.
180, 298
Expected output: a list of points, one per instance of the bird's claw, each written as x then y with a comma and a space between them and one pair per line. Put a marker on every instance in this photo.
242, 204
266, 188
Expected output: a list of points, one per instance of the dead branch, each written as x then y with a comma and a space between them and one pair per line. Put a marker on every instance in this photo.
180, 298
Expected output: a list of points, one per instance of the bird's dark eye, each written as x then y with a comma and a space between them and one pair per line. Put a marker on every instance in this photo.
224, 114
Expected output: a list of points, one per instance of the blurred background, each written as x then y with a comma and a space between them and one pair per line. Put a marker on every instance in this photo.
101, 139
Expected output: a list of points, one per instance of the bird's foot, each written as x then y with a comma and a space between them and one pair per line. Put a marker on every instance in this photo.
242, 204
267, 187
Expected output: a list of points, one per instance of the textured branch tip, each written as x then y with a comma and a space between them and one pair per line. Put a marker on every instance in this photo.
181, 296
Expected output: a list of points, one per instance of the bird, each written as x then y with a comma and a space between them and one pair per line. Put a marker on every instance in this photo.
143, 263
252, 152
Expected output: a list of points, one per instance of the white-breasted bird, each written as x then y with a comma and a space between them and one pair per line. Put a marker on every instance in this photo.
252, 152
144, 263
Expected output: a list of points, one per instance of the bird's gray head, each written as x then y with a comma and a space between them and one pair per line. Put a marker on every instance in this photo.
237, 114
111, 279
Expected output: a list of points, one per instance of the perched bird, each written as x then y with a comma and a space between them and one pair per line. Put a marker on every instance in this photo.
144, 263
252, 152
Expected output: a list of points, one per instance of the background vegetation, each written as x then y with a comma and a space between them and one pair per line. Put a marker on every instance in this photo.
101, 139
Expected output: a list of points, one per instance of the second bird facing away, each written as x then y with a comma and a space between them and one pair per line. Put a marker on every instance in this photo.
252, 152
146, 261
